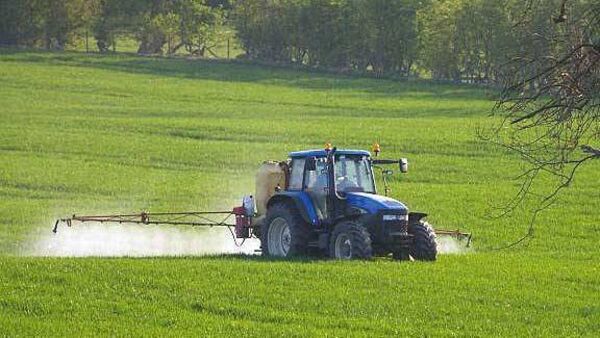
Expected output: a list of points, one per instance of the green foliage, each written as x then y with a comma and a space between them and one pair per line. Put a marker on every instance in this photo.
117, 18
458, 40
193, 24
466, 39
343, 35
42, 23
390, 34
200, 26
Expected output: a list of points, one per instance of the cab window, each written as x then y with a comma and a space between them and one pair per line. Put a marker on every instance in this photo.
316, 180
296, 174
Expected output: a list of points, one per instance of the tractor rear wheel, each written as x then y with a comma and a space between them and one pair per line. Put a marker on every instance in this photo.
350, 241
284, 233
424, 247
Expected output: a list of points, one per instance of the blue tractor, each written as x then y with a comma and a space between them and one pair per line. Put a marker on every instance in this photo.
325, 201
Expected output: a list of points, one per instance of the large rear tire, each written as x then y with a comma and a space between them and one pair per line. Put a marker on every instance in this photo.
284, 233
350, 241
424, 247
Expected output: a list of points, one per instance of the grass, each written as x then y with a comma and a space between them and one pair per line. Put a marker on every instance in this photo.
88, 133
239, 296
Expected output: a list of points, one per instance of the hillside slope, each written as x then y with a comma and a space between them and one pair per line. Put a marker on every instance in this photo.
88, 134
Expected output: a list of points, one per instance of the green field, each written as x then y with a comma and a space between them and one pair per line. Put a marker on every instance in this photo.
89, 134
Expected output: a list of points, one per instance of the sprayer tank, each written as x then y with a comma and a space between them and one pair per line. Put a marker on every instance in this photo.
270, 177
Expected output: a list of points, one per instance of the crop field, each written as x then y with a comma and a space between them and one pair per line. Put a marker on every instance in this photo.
119, 133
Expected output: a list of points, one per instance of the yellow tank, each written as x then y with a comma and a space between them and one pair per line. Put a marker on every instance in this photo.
271, 176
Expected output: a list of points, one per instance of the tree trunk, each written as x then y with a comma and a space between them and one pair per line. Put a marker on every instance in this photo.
151, 44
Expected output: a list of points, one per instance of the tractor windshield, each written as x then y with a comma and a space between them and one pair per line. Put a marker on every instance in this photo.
353, 174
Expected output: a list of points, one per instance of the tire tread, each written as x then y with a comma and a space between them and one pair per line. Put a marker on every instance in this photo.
300, 231
359, 236
425, 246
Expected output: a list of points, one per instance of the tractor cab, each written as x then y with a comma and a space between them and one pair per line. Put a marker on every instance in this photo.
353, 170
312, 174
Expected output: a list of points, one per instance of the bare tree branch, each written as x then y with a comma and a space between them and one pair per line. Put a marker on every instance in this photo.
550, 104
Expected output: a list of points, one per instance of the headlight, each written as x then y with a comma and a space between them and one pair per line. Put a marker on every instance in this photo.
395, 217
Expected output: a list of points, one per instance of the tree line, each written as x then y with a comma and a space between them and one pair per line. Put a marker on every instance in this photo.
159, 26
455, 40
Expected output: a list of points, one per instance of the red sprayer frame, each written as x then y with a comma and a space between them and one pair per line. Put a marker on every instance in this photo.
242, 223
242, 228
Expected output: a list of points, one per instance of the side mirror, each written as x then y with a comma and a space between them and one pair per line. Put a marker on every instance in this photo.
311, 164
403, 163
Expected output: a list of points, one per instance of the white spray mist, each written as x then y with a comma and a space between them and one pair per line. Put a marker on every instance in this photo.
91, 239
109, 239
452, 246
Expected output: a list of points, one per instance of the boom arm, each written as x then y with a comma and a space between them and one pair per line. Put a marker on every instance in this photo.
193, 218
241, 223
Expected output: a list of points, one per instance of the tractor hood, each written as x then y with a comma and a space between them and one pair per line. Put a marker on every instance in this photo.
374, 203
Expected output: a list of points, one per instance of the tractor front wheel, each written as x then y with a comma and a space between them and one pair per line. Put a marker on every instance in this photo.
285, 233
350, 241
424, 247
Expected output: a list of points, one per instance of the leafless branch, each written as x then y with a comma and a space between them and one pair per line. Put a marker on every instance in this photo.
550, 106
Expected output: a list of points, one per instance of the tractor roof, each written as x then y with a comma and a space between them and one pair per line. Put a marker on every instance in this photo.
322, 153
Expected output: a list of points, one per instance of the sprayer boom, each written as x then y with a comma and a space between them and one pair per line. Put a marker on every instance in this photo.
236, 218
455, 234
